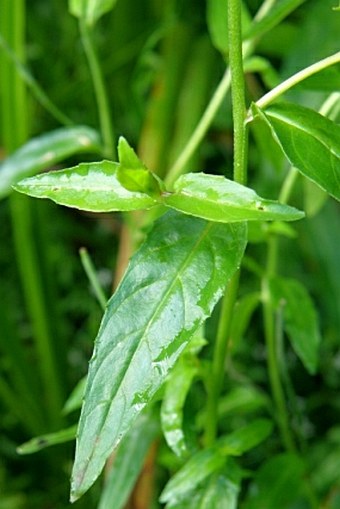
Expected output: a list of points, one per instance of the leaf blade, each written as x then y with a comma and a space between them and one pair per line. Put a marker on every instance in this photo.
302, 326
180, 272
93, 187
215, 198
310, 141
44, 151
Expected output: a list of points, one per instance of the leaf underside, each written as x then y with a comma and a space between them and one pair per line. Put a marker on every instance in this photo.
170, 287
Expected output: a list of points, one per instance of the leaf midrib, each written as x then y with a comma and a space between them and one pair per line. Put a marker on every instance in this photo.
156, 314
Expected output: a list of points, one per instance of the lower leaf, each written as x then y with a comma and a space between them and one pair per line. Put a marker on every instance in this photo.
170, 287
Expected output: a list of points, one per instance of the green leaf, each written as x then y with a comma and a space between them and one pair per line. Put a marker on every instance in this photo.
176, 390
198, 468
44, 151
217, 20
75, 399
170, 287
278, 483
242, 314
128, 462
310, 141
218, 491
43, 441
274, 16
242, 400
314, 198
89, 186
90, 10
127, 156
299, 319
133, 174
216, 198
245, 438
209, 460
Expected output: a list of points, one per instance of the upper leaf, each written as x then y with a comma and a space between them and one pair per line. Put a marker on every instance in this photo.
170, 287
299, 319
90, 10
44, 151
216, 198
133, 174
310, 141
89, 186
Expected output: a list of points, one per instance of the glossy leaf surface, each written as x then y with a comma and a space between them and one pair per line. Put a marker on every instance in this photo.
44, 151
216, 198
128, 462
209, 460
310, 141
170, 287
299, 319
219, 491
90, 186
90, 10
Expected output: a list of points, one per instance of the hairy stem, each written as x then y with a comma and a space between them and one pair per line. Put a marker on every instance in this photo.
240, 176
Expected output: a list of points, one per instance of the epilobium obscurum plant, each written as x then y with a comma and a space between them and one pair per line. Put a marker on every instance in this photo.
159, 368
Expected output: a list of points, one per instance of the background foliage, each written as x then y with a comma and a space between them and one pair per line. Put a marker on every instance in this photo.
162, 61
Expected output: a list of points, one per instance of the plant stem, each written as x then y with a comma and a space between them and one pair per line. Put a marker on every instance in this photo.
92, 276
272, 357
269, 319
240, 176
201, 129
34, 86
15, 132
237, 90
106, 126
219, 356
294, 80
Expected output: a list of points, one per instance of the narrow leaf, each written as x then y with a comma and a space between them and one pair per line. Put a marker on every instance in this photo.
279, 11
128, 462
216, 198
44, 151
75, 399
89, 186
176, 391
198, 468
299, 319
171, 286
43, 441
90, 10
310, 141
245, 438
